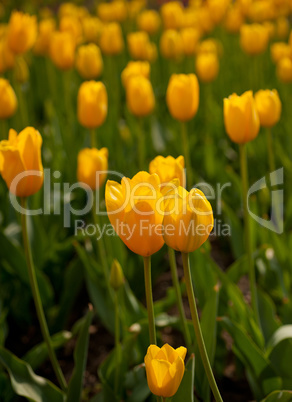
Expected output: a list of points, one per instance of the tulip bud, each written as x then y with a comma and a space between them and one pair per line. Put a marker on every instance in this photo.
171, 44
72, 25
172, 15
279, 50
89, 62
137, 45
133, 69
207, 67
117, 278
140, 96
151, 52
7, 57
22, 32
241, 119
8, 100
62, 50
233, 19
46, 29
164, 369
92, 167
111, 39
182, 96
269, 107
284, 69
92, 27
282, 27
254, 38
20, 162
92, 104
217, 9
149, 21
169, 169
190, 39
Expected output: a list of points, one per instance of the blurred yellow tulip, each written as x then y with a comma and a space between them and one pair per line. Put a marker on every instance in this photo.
149, 21
218, 9
172, 14
92, 27
254, 38
190, 39
135, 68
89, 62
8, 100
117, 278
92, 104
92, 165
73, 26
115, 11
279, 50
171, 44
140, 96
7, 57
22, 32
284, 69
233, 19
20, 162
241, 119
111, 39
169, 169
282, 27
151, 52
164, 369
207, 67
269, 107
137, 45
46, 29
62, 50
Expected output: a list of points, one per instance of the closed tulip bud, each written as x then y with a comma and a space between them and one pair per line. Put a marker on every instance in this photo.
67, 10
137, 45
187, 210
254, 38
92, 104
279, 50
105, 12
218, 9
284, 70
20, 162
171, 44
62, 50
22, 32
282, 27
7, 57
140, 96
111, 39
117, 278
260, 11
233, 19
151, 52
172, 14
8, 101
135, 68
182, 96
241, 119
169, 169
210, 46
206, 23
207, 67
137, 205
165, 369
149, 21
89, 62
92, 167
92, 27
269, 107
191, 18
190, 39
120, 10
46, 29
270, 27
73, 26
135, 7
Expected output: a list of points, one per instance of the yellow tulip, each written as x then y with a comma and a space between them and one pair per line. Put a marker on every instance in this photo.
114, 11
46, 29
169, 169
140, 96
8, 100
182, 96
217, 9
188, 220
284, 69
210, 46
20, 162
111, 39
269, 107
135, 209
91, 162
89, 62
254, 38
22, 32
172, 14
135, 68
241, 118
62, 50
279, 50
207, 67
171, 44
7, 57
92, 27
282, 28
165, 368
137, 45
73, 26
233, 19
92, 104
191, 19
190, 39
135, 7
149, 21
67, 9
151, 52
206, 24
260, 11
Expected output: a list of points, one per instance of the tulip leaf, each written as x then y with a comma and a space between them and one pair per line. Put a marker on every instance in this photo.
279, 396
185, 391
26, 383
80, 358
282, 333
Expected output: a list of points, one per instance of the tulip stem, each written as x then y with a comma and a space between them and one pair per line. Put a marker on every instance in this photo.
93, 140
4, 129
141, 144
149, 300
272, 164
247, 234
175, 281
186, 152
22, 105
37, 299
117, 342
197, 328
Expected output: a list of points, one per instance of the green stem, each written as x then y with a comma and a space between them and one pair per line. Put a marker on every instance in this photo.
37, 299
141, 144
93, 140
4, 129
22, 105
247, 234
149, 300
186, 152
197, 328
175, 281
271, 156
117, 342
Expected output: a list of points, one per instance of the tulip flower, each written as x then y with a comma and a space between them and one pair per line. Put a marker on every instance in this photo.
234, 19
149, 21
140, 96
172, 14
164, 369
241, 118
117, 278
217, 9
168, 169
89, 62
279, 50
92, 27
20, 162
92, 104
8, 100
171, 44
207, 66
22, 32
7, 57
73, 26
268, 106
284, 69
254, 38
137, 45
62, 50
151, 52
133, 69
91, 162
190, 38
111, 39
46, 29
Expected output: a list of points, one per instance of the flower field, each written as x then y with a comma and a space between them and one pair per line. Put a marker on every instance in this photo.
146, 201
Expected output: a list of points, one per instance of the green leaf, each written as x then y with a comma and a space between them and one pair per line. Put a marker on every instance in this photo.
279, 396
80, 357
284, 332
185, 391
26, 383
